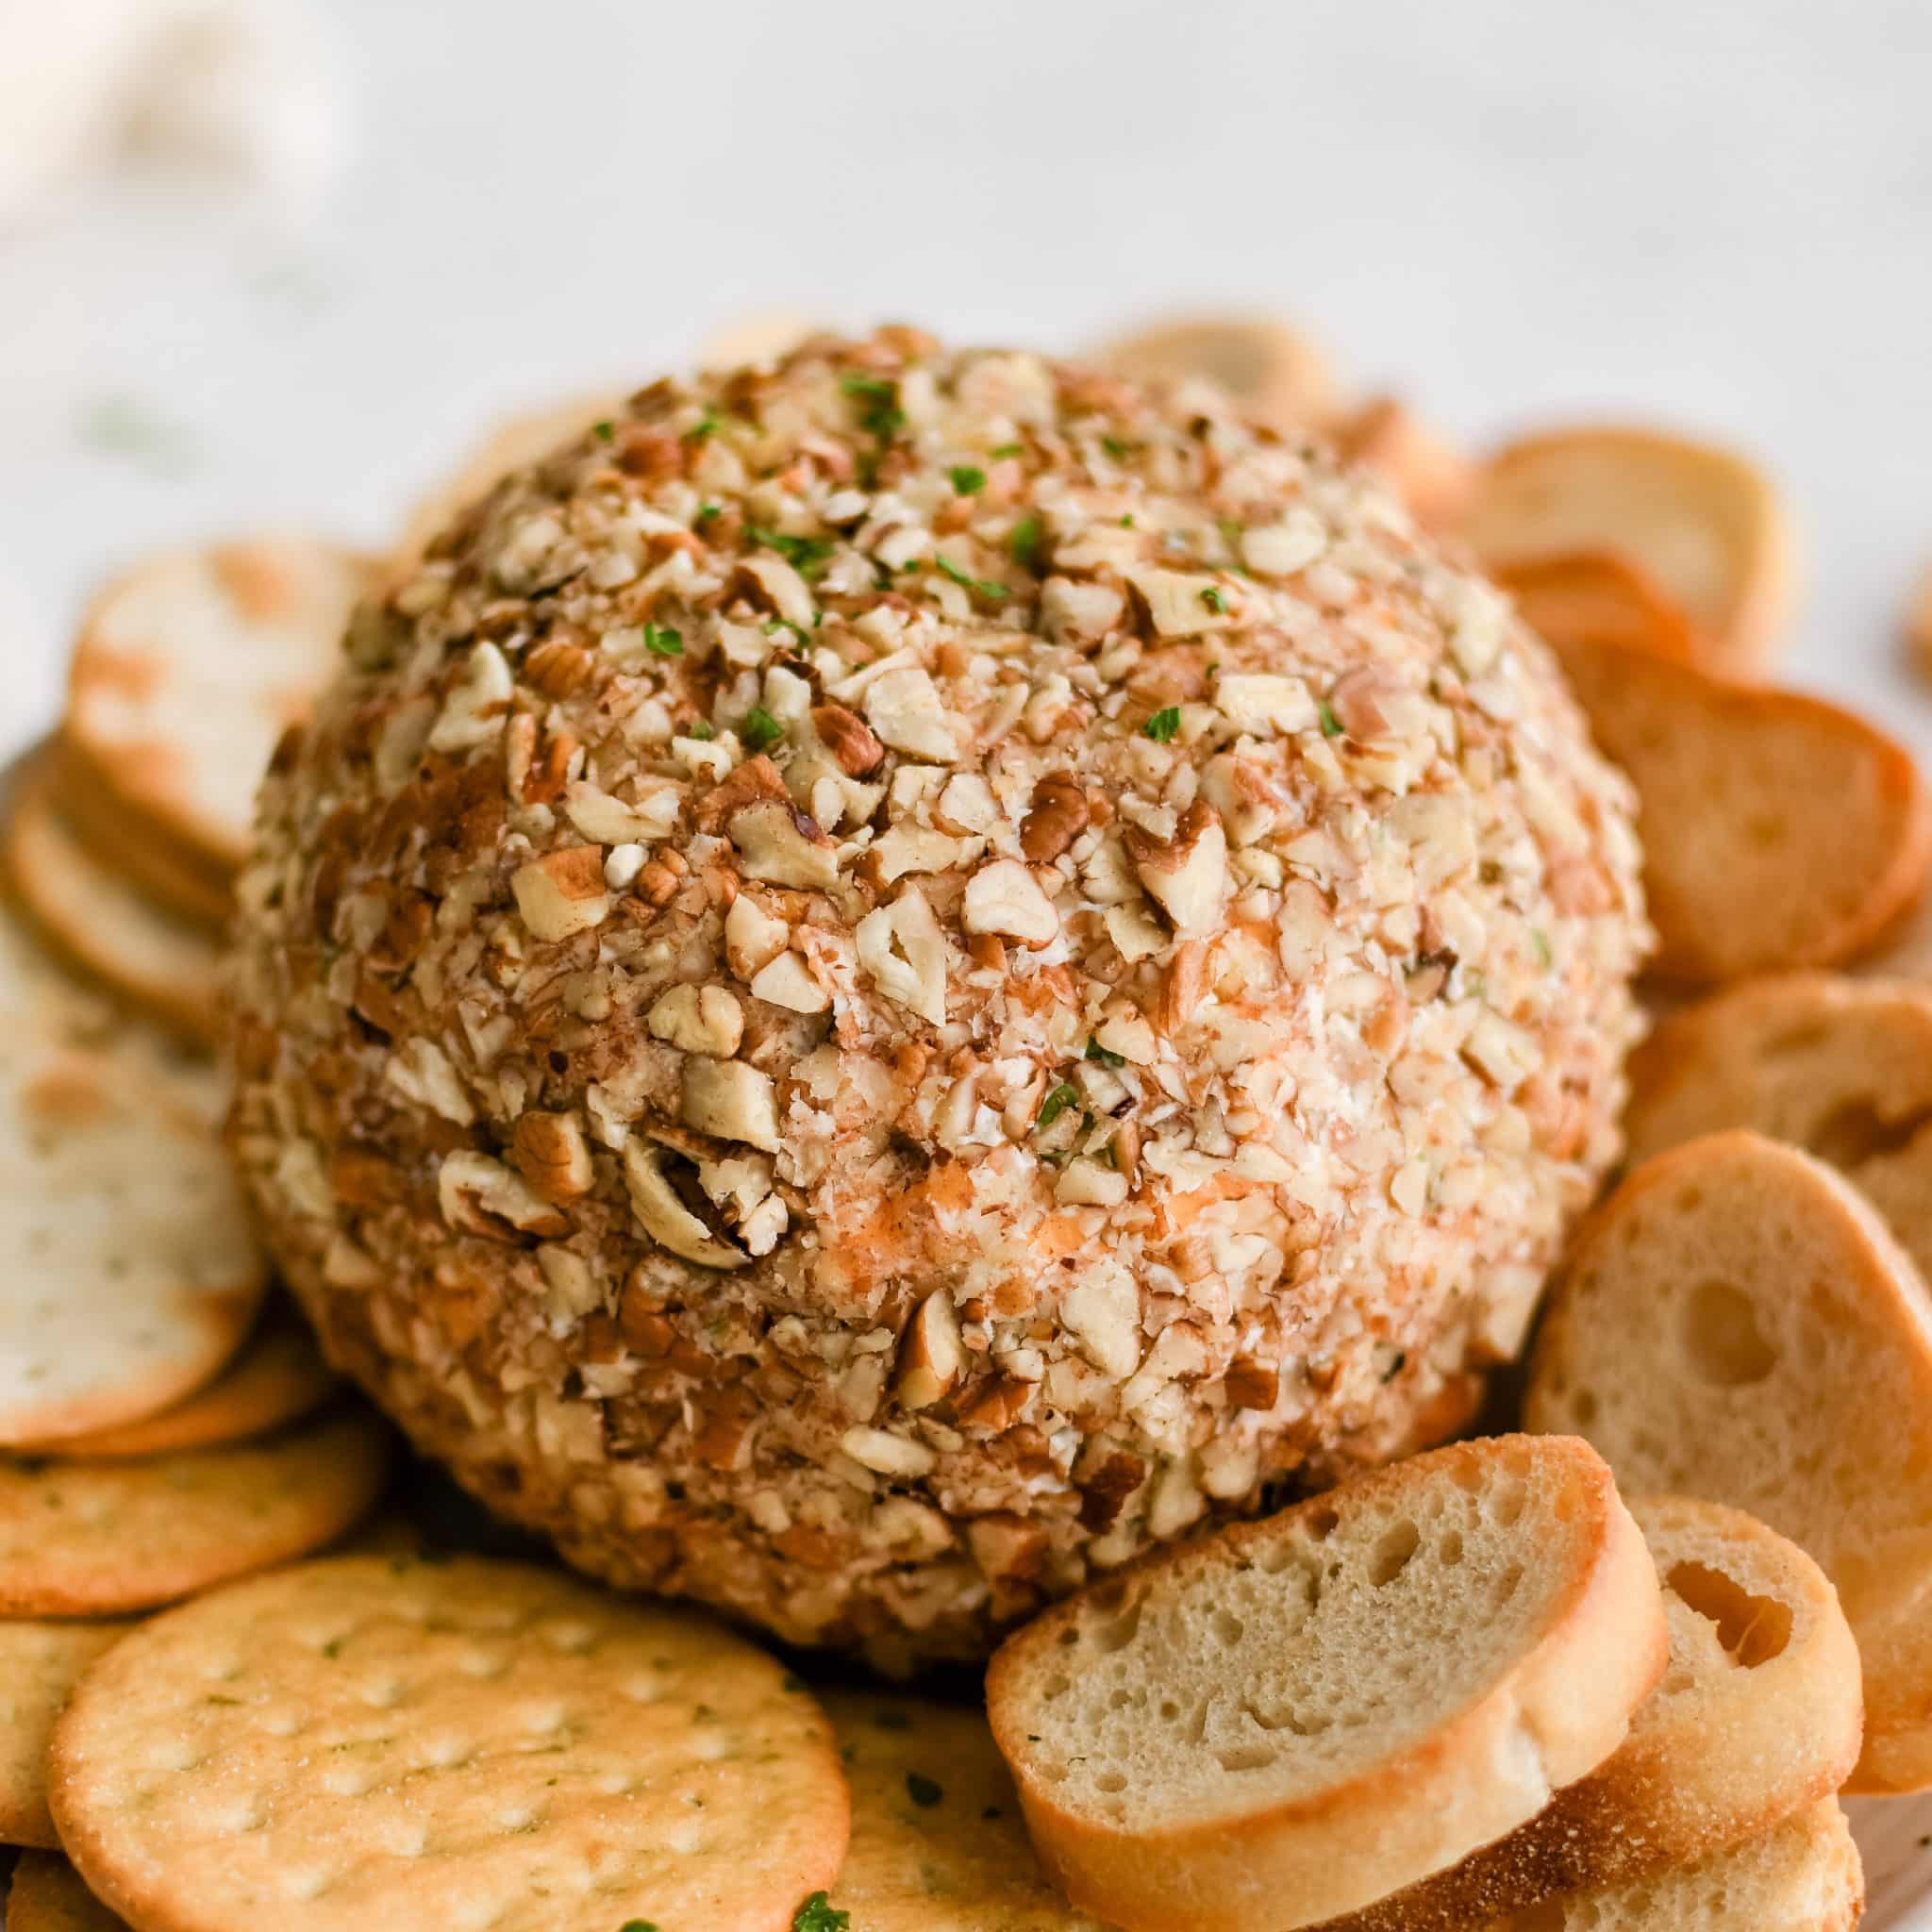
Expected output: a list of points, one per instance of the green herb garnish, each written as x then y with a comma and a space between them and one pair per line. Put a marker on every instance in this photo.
1022, 545
759, 730
604, 432
1542, 945
984, 587
1162, 726
1056, 1103
662, 641
805, 555
1114, 447
1331, 724
706, 425
1007, 449
884, 418
704, 731
922, 1791
632, 1925
1104, 1055
967, 480
709, 512
1214, 600
816, 1915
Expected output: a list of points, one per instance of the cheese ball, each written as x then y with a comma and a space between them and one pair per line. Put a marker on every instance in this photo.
902, 974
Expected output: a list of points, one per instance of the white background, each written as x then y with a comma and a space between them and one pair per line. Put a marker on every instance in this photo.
1715, 215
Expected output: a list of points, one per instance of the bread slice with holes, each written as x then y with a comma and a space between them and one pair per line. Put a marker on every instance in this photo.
1803, 1875
1840, 1067
1758, 1716
1780, 831
1289, 1719
1736, 1323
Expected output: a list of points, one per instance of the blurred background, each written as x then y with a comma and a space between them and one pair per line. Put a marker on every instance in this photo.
309, 266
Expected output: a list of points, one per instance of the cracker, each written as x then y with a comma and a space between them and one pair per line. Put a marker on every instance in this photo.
1278, 374
125, 844
97, 1538
190, 668
35, 990
938, 1842
39, 1665
48, 1896
277, 1378
129, 1270
161, 966
370, 1741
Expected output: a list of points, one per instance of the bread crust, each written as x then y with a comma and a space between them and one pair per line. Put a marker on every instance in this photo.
1841, 1326
1546, 1722
1740, 877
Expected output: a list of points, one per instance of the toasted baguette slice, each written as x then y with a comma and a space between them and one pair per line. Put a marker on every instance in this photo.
1597, 597
1918, 622
1778, 831
1289, 1719
1701, 521
1759, 1716
1386, 436
1276, 373
1840, 1067
1803, 1875
1736, 1323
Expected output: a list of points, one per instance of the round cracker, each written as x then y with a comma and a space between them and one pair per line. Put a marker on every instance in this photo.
99, 1539
938, 1842
48, 1896
190, 668
163, 967
375, 1741
39, 1665
129, 1270
125, 844
277, 1378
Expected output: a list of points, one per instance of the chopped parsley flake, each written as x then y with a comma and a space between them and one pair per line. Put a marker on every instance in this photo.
1542, 945
1331, 724
662, 641
884, 418
706, 425
1127, 520
1162, 726
984, 587
968, 480
1022, 545
605, 432
1115, 447
1007, 449
1104, 1055
1056, 1103
805, 555
774, 625
708, 512
704, 731
922, 1791
759, 730
816, 1915
633, 1924
1214, 599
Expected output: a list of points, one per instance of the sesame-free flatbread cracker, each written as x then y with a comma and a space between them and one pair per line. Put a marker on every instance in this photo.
129, 1270
938, 1843
48, 1896
191, 666
278, 1378
129, 845
161, 966
40, 1664
370, 1741
101, 1539
37, 990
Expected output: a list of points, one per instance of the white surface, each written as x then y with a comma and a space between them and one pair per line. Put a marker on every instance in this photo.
1715, 214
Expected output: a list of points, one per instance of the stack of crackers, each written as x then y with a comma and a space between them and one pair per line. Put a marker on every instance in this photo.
223, 1697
